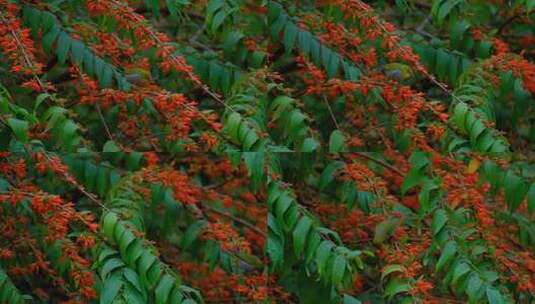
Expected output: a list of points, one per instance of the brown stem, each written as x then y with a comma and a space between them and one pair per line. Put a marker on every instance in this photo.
236, 219
380, 162
331, 112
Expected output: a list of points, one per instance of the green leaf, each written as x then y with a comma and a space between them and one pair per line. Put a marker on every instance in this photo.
133, 160
531, 198
322, 255
275, 250
515, 190
110, 290
50, 37
312, 245
218, 20
460, 270
213, 6
332, 66
457, 31
19, 128
111, 147
132, 277
439, 220
300, 234
77, 51
442, 63
446, 9
473, 289
328, 174
39, 100
106, 76
63, 46
309, 145
127, 238
290, 35
192, 233
109, 223
391, 269
232, 125
163, 289
384, 229
250, 139
415, 176
68, 133
296, 127
459, 116
449, 251
337, 142
396, 286
110, 265
339, 268
494, 296
145, 263
350, 300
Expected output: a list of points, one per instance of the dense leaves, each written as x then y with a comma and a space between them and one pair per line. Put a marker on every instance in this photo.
237, 151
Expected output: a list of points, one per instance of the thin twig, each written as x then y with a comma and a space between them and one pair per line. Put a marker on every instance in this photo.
80, 188
331, 112
198, 33
236, 219
104, 122
380, 162
26, 58
424, 23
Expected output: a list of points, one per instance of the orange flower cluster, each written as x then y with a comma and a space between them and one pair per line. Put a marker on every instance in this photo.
184, 191
15, 41
26, 244
421, 288
525, 70
16, 168
43, 204
219, 286
214, 169
519, 265
178, 111
56, 215
85, 282
500, 46
463, 189
55, 165
6, 254
229, 191
260, 288
209, 140
364, 178
374, 28
82, 277
175, 108
317, 83
110, 45
146, 36
216, 284
347, 42
247, 209
407, 103
407, 256
436, 131
151, 158
353, 225
228, 238
180, 123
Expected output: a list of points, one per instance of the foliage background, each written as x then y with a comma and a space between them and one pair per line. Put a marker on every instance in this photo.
237, 151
